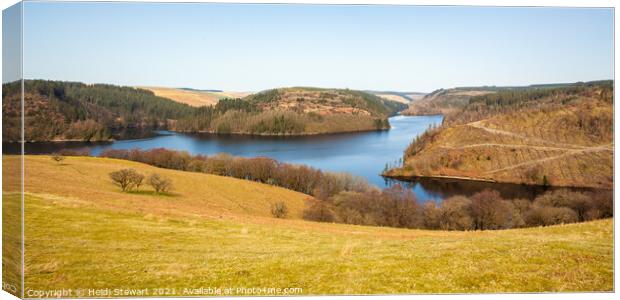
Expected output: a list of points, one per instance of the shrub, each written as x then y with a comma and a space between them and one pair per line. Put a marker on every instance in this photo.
431, 215
319, 211
454, 214
126, 179
57, 157
549, 215
160, 184
579, 202
520, 209
490, 211
279, 210
395, 206
602, 205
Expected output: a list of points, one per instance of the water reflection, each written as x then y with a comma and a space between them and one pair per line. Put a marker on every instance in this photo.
437, 189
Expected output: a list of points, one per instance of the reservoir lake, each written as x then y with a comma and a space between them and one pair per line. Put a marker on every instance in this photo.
363, 154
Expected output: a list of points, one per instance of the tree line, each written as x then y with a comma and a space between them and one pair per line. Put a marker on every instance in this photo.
77, 111
486, 210
536, 97
344, 198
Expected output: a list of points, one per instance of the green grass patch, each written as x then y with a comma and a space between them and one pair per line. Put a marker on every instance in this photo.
70, 245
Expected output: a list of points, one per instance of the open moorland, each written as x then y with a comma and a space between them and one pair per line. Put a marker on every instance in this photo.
558, 136
193, 97
214, 231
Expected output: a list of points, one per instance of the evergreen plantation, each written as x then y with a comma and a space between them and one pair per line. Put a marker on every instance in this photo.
56, 110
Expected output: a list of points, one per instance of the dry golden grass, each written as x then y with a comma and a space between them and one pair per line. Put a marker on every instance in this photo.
82, 232
193, 98
86, 180
71, 246
394, 97
446, 102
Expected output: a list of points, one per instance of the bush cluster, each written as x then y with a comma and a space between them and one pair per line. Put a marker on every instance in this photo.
485, 210
299, 178
130, 179
127, 179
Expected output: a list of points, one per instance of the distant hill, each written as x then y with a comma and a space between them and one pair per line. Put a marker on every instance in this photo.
447, 101
560, 136
61, 111
402, 97
56, 110
441, 102
295, 111
194, 97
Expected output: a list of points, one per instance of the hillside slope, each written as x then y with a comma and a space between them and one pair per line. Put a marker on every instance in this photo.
402, 97
294, 111
214, 233
195, 98
449, 101
57, 110
560, 137
442, 102
195, 193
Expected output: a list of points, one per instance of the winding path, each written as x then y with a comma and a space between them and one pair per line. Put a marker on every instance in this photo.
570, 149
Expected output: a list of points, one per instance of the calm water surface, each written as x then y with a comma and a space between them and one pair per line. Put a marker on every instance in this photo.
363, 154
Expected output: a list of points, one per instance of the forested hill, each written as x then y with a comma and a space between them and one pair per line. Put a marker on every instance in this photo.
56, 110
452, 100
560, 136
294, 111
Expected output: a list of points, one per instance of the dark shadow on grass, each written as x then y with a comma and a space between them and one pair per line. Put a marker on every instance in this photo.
152, 193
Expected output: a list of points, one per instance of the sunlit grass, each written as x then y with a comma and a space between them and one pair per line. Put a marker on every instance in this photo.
71, 246
82, 232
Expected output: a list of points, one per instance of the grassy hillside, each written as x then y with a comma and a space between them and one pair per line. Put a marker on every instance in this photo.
194, 193
402, 97
193, 97
442, 102
561, 137
294, 111
214, 232
325, 101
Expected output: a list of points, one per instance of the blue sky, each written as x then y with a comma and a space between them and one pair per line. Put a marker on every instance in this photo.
255, 47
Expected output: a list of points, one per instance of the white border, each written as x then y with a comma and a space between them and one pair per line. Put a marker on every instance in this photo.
551, 3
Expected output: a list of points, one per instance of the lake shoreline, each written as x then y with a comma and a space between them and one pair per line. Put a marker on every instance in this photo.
408, 178
205, 132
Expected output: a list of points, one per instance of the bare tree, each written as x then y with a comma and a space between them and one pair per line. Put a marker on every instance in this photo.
279, 210
159, 183
126, 178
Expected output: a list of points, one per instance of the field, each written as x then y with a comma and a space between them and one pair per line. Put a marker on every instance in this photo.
194, 97
394, 97
216, 232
